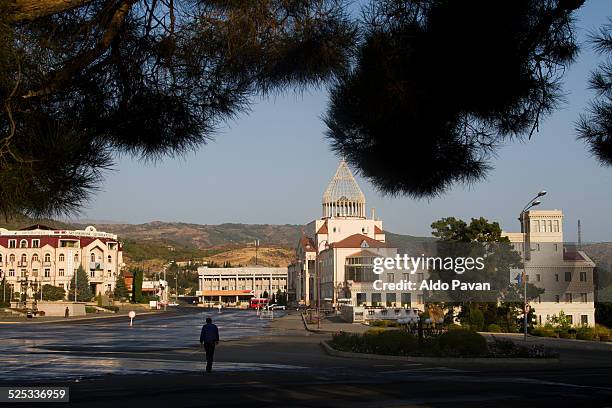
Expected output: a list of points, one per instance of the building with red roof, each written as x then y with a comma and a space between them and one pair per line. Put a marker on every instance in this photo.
39, 255
335, 253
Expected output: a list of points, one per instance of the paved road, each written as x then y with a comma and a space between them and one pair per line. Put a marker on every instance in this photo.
279, 364
91, 348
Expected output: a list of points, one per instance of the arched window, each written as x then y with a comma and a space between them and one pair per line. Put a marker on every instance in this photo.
0, 257
12, 258
23, 243
76, 257
93, 257
61, 258
110, 259
47, 257
35, 258
24, 258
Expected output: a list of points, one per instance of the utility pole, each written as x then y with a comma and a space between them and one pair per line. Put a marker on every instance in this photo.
579, 236
524, 228
256, 250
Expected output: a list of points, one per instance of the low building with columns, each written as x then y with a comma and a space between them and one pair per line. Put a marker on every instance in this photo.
39, 255
236, 286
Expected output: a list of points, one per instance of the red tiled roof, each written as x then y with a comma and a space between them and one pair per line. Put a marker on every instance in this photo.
323, 229
378, 230
307, 244
355, 241
573, 256
52, 240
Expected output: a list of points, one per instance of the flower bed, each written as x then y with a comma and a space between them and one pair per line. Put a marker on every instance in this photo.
597, 333
454, 343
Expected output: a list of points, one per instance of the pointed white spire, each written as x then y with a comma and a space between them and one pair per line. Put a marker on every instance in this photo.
343, 197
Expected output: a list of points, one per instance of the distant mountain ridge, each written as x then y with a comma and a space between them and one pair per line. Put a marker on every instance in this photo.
179, 240
205, 236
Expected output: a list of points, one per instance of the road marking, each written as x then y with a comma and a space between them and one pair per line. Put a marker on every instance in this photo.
440, 369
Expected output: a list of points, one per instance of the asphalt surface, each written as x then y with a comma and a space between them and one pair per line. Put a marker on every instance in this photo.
274, 363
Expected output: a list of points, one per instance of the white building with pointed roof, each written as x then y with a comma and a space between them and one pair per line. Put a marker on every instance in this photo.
335, 253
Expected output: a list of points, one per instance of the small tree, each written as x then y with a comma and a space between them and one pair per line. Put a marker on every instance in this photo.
82, 283
281, 298
265, 294
4, 292
137, 285
50, 292
561, 321
120, 291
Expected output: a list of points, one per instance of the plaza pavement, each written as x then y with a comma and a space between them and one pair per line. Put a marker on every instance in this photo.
286, 367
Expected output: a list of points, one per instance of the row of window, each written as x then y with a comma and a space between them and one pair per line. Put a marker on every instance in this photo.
12, 243
390, 299
35, 243
584, 319
61, 258
545, 225
569, 298
47, 273
567, 277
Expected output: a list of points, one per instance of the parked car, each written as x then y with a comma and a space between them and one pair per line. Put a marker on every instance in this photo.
173, 304
277, 307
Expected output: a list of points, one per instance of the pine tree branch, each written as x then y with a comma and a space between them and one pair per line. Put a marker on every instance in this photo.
59, 79
29, 10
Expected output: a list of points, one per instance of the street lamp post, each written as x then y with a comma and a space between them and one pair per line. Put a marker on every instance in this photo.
165, 293
532, 203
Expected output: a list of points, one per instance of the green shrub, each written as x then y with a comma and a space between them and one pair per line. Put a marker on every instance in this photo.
462, 343
112, 308
390, 342
602, 332
90, 309
493, 328
376, 341
476, 320
542, 331
585, 333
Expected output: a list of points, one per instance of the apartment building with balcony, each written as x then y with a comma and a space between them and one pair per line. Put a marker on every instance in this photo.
40, 255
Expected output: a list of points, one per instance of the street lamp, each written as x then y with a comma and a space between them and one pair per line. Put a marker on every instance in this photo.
532, 203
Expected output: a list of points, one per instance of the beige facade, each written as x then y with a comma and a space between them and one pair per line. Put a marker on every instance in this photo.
37, 256
565, 274
236, 286
334, 257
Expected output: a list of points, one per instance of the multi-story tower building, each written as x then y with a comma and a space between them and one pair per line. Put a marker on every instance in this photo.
565, 274
39, 255
335, 253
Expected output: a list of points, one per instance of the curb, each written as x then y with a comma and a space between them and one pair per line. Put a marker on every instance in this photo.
573, 344
77, 319
319, 331
438, 360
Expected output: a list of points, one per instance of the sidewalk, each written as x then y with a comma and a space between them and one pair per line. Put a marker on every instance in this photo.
551, 342
334, 324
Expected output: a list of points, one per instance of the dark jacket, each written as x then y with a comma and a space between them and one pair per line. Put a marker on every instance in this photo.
210, 333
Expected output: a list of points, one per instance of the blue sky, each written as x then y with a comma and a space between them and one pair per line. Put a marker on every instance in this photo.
272, 165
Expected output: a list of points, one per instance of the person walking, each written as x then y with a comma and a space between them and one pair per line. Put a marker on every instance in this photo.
210, 338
